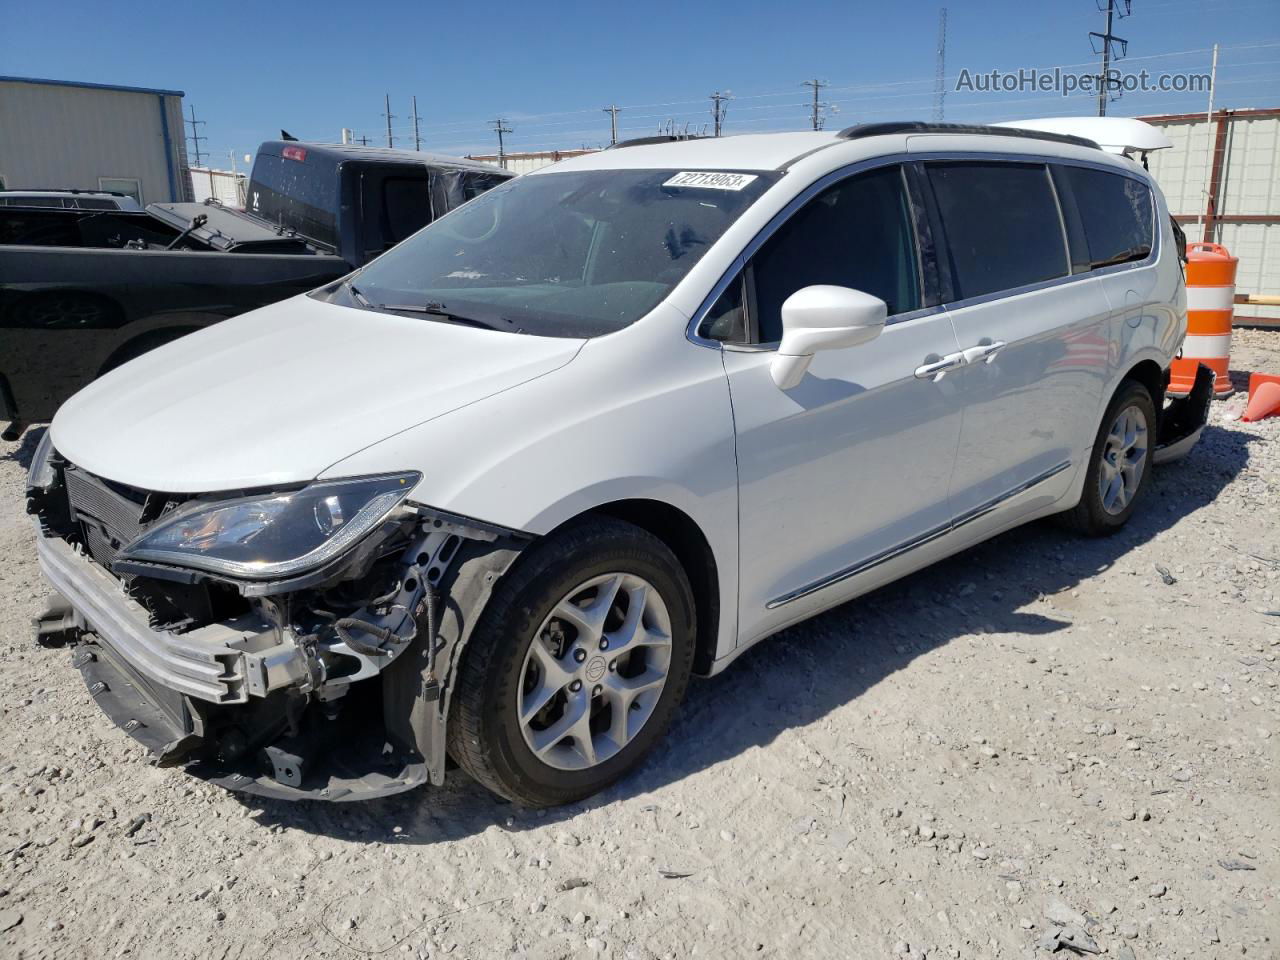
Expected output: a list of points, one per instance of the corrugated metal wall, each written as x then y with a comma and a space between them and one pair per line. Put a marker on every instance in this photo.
1246, 208
58, 135
222, 185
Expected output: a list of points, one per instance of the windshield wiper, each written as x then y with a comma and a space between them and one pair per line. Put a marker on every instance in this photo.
431, 308
355, 292
434, 309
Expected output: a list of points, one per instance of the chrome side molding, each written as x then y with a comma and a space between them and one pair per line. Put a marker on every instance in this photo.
893, 552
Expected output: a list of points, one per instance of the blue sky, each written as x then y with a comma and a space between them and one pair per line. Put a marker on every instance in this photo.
313, 68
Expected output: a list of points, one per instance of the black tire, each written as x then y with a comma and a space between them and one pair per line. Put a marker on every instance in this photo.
1090, 517
484, 733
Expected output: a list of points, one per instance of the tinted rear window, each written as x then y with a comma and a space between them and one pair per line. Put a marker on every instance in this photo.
297, 194
1116, 214
1001, 224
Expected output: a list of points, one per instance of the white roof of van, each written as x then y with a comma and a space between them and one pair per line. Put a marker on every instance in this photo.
775, 151
751, 151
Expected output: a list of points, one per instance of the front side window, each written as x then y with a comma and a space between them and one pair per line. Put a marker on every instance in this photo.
1001, 225
857, 233
1115, 212
560, 254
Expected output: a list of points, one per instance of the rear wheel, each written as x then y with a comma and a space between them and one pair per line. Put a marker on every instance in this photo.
1119, 468
577, 664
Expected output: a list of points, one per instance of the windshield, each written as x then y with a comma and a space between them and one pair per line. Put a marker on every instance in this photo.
561, 254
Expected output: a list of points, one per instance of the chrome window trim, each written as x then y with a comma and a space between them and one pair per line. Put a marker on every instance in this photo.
956, 523
862, 166
768, 230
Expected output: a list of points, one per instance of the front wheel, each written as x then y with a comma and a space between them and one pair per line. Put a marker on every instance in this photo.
1119, 468
576, 666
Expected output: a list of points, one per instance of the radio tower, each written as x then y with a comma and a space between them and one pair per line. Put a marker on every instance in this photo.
940, 79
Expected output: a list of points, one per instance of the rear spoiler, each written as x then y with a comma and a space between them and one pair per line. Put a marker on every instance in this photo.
1121, 135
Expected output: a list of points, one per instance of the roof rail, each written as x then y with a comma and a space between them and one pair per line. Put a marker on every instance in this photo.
861, 130
659, 138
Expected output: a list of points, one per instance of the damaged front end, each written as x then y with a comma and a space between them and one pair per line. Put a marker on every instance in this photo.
327, 679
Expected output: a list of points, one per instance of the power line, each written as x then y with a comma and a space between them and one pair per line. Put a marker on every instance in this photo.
939, 81
463, 126
719, 110
194, 136
612, 110
912, 100
386, 99
1108, 39
816, 113
500, 127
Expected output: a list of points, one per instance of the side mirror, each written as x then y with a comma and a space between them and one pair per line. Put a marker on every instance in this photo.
823, 318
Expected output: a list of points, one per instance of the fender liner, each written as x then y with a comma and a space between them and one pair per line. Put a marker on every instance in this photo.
418, 687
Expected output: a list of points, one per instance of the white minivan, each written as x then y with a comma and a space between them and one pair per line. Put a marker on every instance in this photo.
497, 495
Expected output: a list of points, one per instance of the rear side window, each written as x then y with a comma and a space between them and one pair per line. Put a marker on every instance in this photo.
1115, 213
406, 204
1002, 225
857, 233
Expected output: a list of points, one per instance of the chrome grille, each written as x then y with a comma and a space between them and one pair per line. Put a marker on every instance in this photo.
108, 518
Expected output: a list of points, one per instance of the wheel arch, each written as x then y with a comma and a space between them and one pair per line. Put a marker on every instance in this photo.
146, 340
681, 533
1151, 375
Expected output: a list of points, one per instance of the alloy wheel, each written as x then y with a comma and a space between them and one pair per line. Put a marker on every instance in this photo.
594, 671
1124, 457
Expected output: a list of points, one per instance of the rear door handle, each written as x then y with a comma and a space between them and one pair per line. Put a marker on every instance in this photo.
935, 370
986, 352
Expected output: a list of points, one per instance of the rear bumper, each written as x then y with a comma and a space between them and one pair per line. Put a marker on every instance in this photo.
1183, 420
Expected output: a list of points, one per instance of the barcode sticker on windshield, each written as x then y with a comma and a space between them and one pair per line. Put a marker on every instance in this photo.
711, 181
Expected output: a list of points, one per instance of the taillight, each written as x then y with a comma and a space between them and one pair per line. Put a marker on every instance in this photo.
294, 153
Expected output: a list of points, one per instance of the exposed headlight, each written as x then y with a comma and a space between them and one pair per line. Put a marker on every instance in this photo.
40, 476
274, 535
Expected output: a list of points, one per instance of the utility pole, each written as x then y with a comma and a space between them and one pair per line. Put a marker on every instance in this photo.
719, 110
500, 127
1209, 158
940, 78
194, 137
417, 140
612, 111
390, 116
817, 105
1108, 38
364, 141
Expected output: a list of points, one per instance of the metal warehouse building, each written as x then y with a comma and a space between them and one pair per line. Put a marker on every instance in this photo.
56, 134
1222, 180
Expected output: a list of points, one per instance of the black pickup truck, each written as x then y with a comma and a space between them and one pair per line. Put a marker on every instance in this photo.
83, 291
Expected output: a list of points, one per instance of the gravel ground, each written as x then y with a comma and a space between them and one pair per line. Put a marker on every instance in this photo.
1042, 743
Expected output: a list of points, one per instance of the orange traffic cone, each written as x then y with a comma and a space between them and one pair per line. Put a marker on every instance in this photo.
1265, 402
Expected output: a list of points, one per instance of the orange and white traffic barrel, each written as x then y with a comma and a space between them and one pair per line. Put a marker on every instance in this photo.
1211, 294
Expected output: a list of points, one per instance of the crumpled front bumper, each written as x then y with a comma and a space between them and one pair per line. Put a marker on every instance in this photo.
222, 663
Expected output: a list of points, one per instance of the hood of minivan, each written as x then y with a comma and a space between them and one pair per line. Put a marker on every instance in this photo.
277, 395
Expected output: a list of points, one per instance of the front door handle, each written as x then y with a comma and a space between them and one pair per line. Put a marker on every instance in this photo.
986, 352
935, 370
